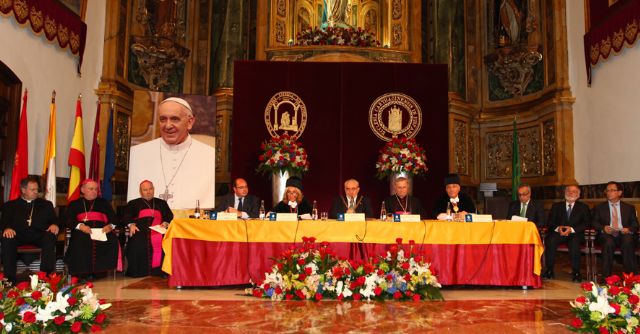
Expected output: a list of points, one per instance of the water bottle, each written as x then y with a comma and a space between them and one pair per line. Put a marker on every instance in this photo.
262, 212
314, 211
449, 211
383, 212
196, 213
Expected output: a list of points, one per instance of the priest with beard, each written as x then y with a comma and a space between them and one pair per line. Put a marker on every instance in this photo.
86, 257
144, 247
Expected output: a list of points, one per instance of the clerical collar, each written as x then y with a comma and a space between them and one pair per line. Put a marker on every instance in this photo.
177, 147
455, 199
27, 200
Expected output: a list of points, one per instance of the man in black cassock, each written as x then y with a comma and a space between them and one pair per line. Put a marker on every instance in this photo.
454, 202
28, 220
85, 256
144, 247
401, 202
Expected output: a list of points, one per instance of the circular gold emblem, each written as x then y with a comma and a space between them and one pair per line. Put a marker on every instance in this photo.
285, 113
394, 114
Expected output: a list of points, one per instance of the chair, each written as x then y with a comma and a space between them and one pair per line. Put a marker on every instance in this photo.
586, 248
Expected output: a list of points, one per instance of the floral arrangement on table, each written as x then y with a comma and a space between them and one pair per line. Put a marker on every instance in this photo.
610, 308
401, 155
49, 304
337, 36
314, 272
281, 154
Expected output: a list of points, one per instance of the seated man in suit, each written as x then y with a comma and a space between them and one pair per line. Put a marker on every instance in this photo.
453, 202
401, 202
567, 221
351, 202
526, 207
245, 205
616, 224
28, 220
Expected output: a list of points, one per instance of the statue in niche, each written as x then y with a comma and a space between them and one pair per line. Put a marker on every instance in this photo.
395, 120
336, 13
370, 21
510, 20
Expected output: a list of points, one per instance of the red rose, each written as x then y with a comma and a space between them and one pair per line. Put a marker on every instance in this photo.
89, 285
19, 301
23, 285
397, 295
72, 301
300, 294
257, 293
581, 300
59, 320
301, 262
102, 301
340, 297
302, 277
42, 275
407, 277
587, 286
12, 294
308, 271
406, 266
603, 330
361, 280
29, 317
416, 297
318, 296
280, 266
613, 279
357, 296
399, 240
614, 290
95, 328
380, 272
36, 295
616, 307
1, 315
634, 299
100, 318
412, 242
288, 296
278, 290
266, 286
377, 291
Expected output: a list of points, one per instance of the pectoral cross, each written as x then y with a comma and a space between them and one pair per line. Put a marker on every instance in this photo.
29, 222
86, 218
166, 195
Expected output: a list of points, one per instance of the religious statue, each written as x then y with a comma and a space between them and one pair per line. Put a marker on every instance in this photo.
395, 120
510, 20
337, 13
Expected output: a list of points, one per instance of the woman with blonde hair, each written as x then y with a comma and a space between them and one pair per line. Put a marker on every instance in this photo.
293, 200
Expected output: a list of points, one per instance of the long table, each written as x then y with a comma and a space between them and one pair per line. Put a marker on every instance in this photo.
218, 253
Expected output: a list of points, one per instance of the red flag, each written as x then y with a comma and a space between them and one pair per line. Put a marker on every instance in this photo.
21, 160
94, 162
76, 157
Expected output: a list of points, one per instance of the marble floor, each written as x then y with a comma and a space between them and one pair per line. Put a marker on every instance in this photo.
148, 306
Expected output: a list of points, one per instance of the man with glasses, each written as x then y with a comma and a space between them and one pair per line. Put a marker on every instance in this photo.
526, 207
567, 221
616, 224
246, 206
351, 202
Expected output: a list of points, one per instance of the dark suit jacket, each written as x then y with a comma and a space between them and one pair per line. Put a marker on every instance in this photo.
250, 204
601, 216
338, 206
579, 219
465, 204
535, 212
15, 214
303, 207
415, 206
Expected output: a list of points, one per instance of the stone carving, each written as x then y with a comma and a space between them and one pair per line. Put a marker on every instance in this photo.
530, 151
499, 153
513, 68
396, 10
460, 148
549, 147
122, 141
282, 8
280, 34
472, 153
397, 34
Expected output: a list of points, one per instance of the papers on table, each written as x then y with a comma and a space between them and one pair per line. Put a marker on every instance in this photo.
354, 217
98, 235
287, 217
306, 216
158, 228
519, 219
227, 216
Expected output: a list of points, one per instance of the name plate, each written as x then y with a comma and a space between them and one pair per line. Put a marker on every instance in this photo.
479, 218
354, 217
227, 216
406, 218
286, 217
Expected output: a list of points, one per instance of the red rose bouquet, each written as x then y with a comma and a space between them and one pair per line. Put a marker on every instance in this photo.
281, 154
401, 155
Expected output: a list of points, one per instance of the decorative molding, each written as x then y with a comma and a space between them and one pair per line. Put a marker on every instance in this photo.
122, 143
500, 152
549, 146
513, 68
530, 151
397, 34
280, 31
460, 135
396, 9
282, 8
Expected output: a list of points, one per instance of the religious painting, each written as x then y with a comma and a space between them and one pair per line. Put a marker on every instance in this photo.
173, 146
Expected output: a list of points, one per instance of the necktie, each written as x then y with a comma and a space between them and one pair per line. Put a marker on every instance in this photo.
523, 210
615, 221
351, 202
569, 212
240, 204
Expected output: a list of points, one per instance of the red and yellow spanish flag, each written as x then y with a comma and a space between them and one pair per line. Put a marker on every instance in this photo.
76, 156
49, 166
21, 159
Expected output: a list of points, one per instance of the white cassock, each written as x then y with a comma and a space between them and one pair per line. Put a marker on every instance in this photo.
185, 172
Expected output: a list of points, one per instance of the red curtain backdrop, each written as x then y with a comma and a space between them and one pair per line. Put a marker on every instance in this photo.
338, 138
